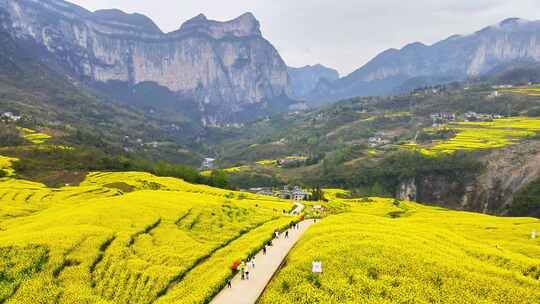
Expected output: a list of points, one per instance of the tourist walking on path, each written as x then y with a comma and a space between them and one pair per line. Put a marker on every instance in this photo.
229, 283
243, 270
287, 234
248, 291
264, 250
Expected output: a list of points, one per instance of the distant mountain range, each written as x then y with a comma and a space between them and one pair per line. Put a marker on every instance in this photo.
512, 42
306, 79
211, 73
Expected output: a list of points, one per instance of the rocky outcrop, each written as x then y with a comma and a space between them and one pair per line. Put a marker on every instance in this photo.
407, 190
513, 41
507, 171
223, 66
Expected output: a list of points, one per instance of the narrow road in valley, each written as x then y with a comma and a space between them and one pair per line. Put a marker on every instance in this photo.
249, 291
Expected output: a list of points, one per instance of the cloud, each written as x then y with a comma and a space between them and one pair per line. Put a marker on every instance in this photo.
343, 34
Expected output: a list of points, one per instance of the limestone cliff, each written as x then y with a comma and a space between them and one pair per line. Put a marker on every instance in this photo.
222, 66
507, 171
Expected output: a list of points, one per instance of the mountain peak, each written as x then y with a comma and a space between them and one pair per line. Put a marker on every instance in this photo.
243, 26
414, 46
198, 18
249, 17
512, 21
134, 21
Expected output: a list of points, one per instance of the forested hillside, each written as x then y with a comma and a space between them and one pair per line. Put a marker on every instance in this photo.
443, 145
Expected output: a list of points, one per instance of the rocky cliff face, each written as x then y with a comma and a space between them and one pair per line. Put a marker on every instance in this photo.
507, 171
222, 66
456, 58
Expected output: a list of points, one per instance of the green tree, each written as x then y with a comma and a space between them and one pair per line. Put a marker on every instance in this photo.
317, 194
218, 178
377, 189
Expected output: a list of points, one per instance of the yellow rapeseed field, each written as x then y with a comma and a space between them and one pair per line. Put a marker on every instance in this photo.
34, 136
532, 91
380, 251
6, 163
126, 238
483, 135
267, 162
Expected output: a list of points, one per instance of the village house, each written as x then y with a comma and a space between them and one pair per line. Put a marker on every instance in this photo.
208, 163
494, 94
472, 116
300, 195
291, 160
267, 192
378, 140
8, 116
261, 191
443, 116
375, 141
296, 194
153, 144
504, 86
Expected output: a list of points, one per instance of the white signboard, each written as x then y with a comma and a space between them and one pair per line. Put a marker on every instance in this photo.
316, 267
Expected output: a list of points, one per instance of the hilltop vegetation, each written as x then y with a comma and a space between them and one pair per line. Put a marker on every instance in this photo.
341, 132
383, 251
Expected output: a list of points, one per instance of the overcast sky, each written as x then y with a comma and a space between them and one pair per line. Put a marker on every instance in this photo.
343, 34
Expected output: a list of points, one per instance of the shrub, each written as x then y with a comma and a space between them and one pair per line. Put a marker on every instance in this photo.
527, 201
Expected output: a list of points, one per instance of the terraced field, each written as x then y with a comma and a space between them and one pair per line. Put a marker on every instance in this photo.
126, 238
5, 164
473, 136
383, 252
533, 91
34, 137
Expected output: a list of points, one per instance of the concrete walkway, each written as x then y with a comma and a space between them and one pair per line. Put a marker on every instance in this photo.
249, 291
299, 208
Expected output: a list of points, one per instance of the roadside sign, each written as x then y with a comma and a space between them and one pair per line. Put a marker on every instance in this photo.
316, 267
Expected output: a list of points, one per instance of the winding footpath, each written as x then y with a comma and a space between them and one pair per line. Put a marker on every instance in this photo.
249, 291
